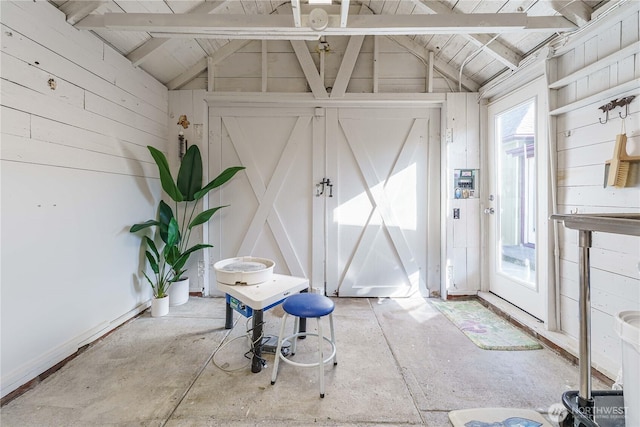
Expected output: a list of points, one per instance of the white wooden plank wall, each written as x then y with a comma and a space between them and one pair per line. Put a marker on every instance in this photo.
463, 235
399, 71
583, 146
76, 174
191, 103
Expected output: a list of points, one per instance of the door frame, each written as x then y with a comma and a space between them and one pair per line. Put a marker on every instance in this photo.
544, 239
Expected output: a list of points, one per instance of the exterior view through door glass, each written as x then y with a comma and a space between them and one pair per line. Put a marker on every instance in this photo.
517, 193
517, 181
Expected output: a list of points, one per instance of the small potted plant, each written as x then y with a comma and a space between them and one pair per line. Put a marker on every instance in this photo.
161, 263
185, 192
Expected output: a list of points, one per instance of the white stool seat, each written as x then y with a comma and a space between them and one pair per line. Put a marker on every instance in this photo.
306, 305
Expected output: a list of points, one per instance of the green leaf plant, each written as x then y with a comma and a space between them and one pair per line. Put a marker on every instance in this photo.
159, 261
185, 192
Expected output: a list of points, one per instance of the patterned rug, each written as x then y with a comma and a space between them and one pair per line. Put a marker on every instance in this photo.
486, 329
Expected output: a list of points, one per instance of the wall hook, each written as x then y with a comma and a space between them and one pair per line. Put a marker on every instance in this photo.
605, 109
624, 102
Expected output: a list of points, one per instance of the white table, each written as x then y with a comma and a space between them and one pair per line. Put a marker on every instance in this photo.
254, 300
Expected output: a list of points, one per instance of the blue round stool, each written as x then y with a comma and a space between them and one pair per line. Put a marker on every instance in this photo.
306, 306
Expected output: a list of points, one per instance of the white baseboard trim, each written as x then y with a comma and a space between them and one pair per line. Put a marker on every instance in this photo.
557, 338
462, 293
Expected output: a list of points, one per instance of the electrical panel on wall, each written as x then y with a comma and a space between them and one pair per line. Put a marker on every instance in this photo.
465, 183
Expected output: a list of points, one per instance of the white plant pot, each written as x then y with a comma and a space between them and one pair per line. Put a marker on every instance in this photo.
160, 306
179, 292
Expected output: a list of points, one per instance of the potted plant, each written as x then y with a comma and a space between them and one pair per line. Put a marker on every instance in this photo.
160, 263
185, 192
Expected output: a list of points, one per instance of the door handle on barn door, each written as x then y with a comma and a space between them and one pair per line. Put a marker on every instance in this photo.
489, 211
322, 185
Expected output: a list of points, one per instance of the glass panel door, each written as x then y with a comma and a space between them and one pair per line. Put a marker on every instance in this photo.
517, 190
517, 204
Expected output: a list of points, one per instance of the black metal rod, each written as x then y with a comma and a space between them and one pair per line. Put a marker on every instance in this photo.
228, 322
256, 342
302, 327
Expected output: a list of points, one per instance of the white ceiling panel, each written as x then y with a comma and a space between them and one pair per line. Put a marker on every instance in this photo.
489, 69
172, 59
182, 6
517, 6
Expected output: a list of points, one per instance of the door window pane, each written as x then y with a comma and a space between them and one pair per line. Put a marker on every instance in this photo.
517, 192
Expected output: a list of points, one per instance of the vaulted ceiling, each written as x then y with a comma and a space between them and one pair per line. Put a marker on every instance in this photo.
471, 40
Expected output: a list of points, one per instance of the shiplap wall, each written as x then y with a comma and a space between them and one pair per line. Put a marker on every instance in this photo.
399, 71
192, 104
462, 148
76, 174
583, 146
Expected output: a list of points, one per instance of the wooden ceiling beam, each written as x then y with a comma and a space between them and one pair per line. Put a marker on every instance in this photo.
496, 49
142, 52
185, 77
200, 66
77, 10
346, 66
266, 26
499, 51
348, 60
309, 69
577, 12
344, 13
295, 8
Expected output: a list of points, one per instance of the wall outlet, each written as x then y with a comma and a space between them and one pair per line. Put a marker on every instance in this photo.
456, 213
448, 136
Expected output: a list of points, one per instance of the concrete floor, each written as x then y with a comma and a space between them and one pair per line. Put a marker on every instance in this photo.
400, 362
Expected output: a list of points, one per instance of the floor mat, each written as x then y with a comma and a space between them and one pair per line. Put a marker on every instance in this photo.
497, 417
486, 329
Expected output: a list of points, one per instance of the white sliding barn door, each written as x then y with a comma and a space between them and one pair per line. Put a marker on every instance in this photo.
368, 235
378, 215
271, 203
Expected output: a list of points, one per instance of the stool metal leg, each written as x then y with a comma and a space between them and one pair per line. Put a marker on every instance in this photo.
296, 325
333, 339
276, 360
320, 357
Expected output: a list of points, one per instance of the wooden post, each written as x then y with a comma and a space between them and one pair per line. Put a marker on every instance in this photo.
264, 65
429, 71
210, 74
376, 55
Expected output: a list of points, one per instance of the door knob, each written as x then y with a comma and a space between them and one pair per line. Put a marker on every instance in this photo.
489, 211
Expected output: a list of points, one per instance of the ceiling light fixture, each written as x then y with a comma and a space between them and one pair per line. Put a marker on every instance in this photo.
318, 19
